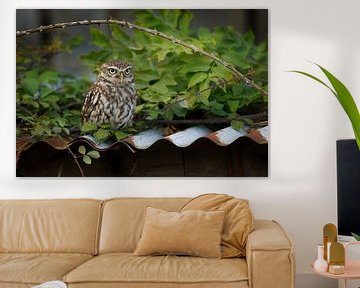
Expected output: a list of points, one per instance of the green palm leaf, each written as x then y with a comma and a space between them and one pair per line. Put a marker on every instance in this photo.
344, 97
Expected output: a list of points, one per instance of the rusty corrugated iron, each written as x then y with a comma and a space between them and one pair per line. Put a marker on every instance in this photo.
147, 138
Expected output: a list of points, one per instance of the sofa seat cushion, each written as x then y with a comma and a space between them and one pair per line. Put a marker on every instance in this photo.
36, 268
127, 268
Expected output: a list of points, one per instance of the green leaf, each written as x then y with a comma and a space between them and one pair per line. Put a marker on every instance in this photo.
45, 91
179, 111
120, 135
159, 87
146, 75
249, 36
344, 97
217, 108
86, 159
57, 130
238, 90
102, 134
196, 79
196, 64
53, 100
62, 122
168, 79
237, 124
30, 81
205, 91
316, 79
105, 126
48, 76
233, 105
88, 127
118, 33
94, 154
347, 102
235, 58
220, 72
99, 38
38, 130
184, 21
204, 99
356, 236
94, 57
66, 130
75, 41
171, 16
161, 54
82, 149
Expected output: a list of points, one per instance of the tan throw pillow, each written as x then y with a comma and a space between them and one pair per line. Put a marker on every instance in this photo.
239, 220
196, 233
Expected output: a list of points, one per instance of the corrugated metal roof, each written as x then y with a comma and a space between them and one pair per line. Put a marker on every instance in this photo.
188, 136
147, 138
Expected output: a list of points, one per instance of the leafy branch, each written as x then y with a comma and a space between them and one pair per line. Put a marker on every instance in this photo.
175, 84
237, 75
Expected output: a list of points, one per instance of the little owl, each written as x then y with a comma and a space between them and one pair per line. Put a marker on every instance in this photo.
112, 98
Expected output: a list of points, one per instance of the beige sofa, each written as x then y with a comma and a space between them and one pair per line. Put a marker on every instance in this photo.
89, 243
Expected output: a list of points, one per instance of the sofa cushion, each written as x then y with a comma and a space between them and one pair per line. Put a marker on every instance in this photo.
63, 226
239, 220
36, 268
123, 220
193, 232
126, 268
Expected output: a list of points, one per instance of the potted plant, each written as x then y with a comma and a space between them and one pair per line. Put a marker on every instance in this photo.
346, 100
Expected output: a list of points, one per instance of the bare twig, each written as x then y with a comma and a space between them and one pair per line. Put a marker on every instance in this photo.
76, 161
24, 109
70, 105
237, 75
259, 117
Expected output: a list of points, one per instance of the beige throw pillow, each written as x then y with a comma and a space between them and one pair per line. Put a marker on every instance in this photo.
238, 223
193, 232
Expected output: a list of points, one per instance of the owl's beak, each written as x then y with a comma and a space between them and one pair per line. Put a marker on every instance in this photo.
121, 77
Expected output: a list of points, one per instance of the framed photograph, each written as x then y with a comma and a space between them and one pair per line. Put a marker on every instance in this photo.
142, 93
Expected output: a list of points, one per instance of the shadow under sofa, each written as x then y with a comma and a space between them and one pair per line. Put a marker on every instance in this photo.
90, 243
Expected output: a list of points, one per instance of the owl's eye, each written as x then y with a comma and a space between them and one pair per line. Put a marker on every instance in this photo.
112, 71
127, 71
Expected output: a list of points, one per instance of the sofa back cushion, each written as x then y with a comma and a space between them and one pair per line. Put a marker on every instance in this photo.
123, 220
67, 226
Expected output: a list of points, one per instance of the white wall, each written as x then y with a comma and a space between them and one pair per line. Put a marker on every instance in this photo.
305, 121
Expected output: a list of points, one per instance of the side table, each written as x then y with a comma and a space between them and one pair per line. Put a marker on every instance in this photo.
352, 268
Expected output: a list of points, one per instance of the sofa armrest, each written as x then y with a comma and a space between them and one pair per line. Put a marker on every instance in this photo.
269, 256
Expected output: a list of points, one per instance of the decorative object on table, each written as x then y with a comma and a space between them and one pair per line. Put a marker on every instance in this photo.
340, 267
51, 284
337, 258
344, 97
320, 264
329, 236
